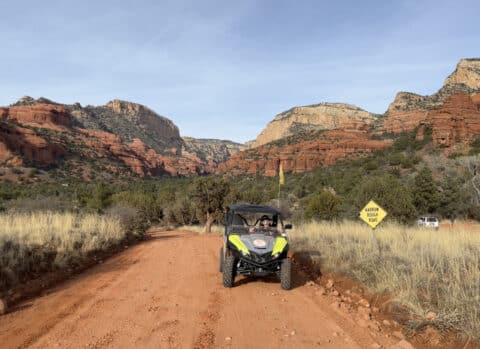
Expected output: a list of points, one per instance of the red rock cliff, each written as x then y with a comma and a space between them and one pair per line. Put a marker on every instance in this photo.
48, 116
456, 122
304, 156
19, 143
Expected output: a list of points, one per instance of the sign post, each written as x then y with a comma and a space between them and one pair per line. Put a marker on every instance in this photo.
373, 214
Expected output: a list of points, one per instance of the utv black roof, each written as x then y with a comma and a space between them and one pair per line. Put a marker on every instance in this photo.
253, 208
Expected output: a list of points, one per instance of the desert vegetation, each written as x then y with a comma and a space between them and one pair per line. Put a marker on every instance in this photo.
409, 179
32, 244
427, 271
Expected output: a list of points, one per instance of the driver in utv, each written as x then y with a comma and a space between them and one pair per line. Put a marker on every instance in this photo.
265, 222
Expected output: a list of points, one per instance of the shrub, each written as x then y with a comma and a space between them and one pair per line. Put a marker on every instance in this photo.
99, 199
148, 204
130, 219
182, 212
322, 206
475, 146
16, 171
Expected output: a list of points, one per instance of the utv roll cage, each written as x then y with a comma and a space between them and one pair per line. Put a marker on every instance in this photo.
234, 217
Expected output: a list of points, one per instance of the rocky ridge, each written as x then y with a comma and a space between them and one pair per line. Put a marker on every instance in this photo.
325, 149
131, 121
120, 138
409, 109
323, 116
211, 151
452, 114
466, 73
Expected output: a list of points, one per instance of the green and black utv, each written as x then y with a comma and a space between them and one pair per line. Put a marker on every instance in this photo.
255, 243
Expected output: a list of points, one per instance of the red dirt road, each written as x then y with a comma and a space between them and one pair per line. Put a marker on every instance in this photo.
167, 293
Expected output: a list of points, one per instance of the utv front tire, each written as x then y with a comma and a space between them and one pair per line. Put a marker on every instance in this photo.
228, 271
286, 274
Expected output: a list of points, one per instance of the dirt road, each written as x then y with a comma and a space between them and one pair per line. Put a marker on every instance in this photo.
167, 293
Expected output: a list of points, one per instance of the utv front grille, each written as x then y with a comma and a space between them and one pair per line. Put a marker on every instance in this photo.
259, 259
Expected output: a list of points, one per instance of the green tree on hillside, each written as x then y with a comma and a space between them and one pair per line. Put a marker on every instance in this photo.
453, 201
425, 192
208, 194
323, 206
388, 192
100, 197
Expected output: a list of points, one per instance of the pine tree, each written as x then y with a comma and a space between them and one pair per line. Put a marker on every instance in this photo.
426, 196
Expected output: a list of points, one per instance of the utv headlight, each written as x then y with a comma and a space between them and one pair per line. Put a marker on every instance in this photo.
279, 245
276, 255
238, 243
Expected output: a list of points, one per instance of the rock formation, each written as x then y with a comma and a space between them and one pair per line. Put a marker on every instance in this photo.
212, 151
17, 140
42, 132
466, 73
456, 123
130, 121
324, 116
40, 115
326, 149
452, 115
408, 110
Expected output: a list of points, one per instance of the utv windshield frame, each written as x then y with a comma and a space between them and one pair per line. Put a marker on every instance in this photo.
239, 217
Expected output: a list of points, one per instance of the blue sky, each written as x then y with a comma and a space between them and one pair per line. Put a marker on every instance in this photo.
224, 69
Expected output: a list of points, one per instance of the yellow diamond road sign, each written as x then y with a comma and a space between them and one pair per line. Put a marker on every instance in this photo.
372, 214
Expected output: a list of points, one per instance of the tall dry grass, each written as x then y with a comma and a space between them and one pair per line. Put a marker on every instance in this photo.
35, 243
426, 270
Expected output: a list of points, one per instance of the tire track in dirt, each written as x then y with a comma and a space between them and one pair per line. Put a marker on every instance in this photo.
209, 319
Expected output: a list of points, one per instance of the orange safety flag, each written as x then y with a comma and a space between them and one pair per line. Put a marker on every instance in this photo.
281, 176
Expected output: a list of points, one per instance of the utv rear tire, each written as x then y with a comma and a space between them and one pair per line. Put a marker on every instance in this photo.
286, 274
229, 271
221, 259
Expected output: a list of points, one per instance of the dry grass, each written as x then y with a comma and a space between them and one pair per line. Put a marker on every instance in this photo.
32, 244
216, 229
426, 270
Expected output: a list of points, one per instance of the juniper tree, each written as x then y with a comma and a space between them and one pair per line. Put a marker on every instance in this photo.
208, 194
425, 192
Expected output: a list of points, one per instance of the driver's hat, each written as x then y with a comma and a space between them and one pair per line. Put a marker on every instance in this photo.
265, 218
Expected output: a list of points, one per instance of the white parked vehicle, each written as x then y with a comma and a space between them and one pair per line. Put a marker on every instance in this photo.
428, 222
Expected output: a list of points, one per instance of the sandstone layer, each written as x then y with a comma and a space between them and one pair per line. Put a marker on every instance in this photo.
467, 73
211, 151
324, 116
39, 134
304, 156
41, 115
18, 143
456, 123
